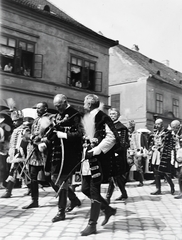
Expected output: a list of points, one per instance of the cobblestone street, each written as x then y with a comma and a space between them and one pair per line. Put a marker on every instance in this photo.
142, 217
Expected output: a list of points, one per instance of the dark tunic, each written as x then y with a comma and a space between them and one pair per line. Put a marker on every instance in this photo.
165, 163
68, 122
121, 148
109, 164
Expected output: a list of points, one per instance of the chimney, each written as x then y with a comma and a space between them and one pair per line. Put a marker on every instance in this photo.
135, 48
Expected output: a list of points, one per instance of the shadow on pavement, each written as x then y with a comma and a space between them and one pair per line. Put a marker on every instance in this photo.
142, 198
12, 211
136, 224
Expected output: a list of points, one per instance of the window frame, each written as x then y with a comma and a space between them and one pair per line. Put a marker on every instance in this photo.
27, 53
115, 101
175, 107
88, 73
159, 103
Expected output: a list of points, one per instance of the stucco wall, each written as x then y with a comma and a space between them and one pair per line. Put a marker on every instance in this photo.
53, 41
132, 102
128, 79
169, 93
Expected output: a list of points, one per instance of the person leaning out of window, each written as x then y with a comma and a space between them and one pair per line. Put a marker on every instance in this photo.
8, 67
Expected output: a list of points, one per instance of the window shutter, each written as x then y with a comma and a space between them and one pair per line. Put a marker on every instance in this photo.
85, 77
17, 61
68, 73
98, 81
38, 65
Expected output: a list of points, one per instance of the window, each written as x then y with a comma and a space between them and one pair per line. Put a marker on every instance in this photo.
82, 74
18, 57
176, 107
115, 101
159, 103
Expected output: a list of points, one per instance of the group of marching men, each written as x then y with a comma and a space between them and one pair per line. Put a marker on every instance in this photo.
60, 143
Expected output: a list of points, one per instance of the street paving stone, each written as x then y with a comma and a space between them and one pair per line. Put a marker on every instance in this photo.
142, 216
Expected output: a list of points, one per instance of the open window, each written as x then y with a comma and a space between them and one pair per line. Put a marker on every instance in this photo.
81, 73
18, 57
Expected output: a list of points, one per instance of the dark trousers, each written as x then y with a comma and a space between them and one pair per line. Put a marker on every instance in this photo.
34, 171
179, 174
158, 175
92, 190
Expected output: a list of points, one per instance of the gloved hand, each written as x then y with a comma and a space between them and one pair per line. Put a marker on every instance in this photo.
42, 147
61, 134
95, 151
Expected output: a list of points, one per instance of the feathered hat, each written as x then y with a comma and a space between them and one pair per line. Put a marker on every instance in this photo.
17, 114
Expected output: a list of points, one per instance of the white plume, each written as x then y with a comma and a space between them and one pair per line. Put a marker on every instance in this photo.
101, 106
44, 123
88, 122
11, 103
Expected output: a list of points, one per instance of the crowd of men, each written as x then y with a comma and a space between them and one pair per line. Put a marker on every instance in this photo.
98, 144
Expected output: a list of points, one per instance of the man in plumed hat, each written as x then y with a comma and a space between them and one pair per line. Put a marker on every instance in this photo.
17, 150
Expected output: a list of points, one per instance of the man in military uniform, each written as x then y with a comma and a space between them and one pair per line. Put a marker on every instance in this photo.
17, 150
101, 136
160, 150
176, 154
121, 154
64, 151
137, 149
36, 157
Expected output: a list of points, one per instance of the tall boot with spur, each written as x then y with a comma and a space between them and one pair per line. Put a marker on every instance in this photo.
94, 215
60, 216
110, 190
158, 184
74, 201
107, 210
34, 195
9, 189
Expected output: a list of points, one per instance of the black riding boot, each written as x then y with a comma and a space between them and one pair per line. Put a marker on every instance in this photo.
158, 184
169, 180
110, 191
121, 184
34, 195
141, 179
28, 190
9, 189
107, 210
60, 216
74, 201
94, 215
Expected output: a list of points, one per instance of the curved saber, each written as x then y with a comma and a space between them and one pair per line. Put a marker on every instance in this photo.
26, 161
67, 177
62, 161
71, 172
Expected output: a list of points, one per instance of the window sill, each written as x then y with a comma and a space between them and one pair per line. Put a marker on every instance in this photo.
15, 75
80, 89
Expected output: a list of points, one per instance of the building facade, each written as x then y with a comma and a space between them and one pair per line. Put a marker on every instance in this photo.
143, 89
45, 52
